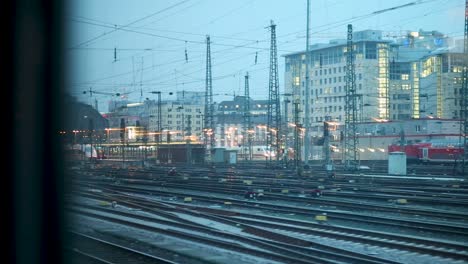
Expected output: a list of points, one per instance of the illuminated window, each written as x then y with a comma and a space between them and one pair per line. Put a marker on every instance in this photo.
428, 67
405, 77
296, 80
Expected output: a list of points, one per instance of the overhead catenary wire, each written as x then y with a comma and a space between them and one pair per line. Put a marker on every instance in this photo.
131, 23
312, 33
235, 46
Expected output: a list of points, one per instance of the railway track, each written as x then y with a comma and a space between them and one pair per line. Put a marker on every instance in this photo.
363, 192
289, 227
278, 220
96, 250
333, 198
345, 204
420, 225
245, 245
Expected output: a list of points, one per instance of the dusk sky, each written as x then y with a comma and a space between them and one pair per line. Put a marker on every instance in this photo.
152, 36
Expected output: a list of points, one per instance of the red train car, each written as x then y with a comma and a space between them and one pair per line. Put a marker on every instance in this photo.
441, 153
412, 150
435, 151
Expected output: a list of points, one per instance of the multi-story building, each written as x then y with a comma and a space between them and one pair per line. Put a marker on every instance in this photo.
135, 117
179, 119
440, 85
230, 128
407, 59
413, 76
327, 65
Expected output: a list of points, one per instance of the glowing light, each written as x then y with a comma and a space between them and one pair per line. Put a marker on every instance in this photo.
381, 120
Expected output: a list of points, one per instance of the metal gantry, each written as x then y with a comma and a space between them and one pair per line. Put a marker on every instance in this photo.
274, 110
209, 107
248, 129
351, 141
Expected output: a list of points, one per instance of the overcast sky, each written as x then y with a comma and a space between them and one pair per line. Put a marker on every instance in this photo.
151, 37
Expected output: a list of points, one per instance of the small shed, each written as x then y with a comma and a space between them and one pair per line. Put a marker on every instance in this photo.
222, 155
397, 163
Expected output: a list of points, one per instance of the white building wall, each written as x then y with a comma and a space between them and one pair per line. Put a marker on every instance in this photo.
175, 120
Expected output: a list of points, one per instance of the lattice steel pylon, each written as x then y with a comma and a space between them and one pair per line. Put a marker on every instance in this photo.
209, 133
351, 141
274, 110
464, 100
248, 129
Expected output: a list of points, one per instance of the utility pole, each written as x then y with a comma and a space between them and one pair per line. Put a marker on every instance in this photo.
188, 138
274, 111
464, 101
145, 142
122, 140
297, 138
158, 135
209, 107
326, 146
169, 154
351, 140
90, 135
286, 127
307, 94
247, 121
